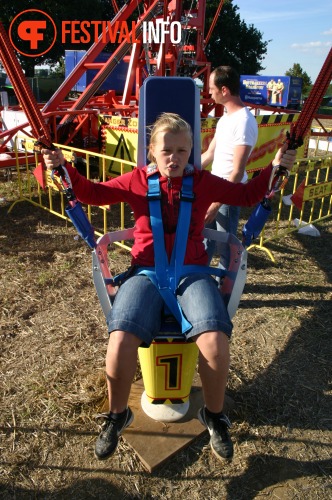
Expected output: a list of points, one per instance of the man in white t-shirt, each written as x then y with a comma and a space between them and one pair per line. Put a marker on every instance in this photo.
235, 137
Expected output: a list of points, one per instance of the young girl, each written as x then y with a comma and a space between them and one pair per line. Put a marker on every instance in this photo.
129, 324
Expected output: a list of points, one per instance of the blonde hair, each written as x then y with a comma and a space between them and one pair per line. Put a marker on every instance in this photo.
168, 122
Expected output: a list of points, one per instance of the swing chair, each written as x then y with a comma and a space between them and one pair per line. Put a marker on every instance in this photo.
168, 365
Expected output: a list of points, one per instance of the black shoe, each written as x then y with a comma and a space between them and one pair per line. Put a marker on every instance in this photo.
111, 429
220, 441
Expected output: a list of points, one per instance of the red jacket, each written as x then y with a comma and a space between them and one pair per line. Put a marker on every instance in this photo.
132, 188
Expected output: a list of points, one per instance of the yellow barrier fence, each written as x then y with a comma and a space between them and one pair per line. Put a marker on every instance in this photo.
51, 199
306, 199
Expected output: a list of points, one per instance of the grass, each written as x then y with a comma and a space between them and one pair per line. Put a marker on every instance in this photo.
53, 344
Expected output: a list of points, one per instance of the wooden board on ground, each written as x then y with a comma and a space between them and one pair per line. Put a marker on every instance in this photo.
156, 442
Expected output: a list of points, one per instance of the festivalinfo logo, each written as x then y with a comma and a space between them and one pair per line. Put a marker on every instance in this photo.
33, 32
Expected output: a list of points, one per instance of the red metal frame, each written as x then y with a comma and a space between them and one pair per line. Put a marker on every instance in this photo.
65, 119
22, 88
314, 99
162, 59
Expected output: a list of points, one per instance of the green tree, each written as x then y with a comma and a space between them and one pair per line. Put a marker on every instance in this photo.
58, 70
233, 42
329, 90
296, 70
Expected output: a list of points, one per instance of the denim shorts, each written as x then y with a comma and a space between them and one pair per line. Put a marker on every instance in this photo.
138, 307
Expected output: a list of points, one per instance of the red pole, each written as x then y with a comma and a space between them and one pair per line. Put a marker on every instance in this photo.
215, 19
22, 89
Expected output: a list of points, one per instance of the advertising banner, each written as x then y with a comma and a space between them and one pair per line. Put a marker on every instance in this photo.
283, 91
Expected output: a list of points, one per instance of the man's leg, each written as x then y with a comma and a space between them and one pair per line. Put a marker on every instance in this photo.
227, 221
210, 245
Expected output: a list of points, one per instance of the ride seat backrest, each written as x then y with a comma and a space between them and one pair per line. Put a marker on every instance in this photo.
171, 94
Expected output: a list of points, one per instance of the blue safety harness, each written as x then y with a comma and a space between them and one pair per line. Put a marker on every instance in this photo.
166, 275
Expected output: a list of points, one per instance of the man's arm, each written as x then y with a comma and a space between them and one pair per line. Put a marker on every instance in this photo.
240, 159
208, 156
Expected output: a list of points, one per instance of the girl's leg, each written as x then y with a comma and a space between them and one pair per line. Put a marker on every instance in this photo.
213, 368
121, 361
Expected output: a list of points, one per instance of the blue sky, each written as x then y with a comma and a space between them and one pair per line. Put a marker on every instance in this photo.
301, 32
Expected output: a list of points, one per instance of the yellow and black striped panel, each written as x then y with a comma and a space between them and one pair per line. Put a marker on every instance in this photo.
270, 120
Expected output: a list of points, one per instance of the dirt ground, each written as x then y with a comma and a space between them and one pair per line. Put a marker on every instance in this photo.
53, 344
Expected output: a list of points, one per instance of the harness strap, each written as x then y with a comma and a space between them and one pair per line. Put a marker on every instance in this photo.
169, 298
166, 276
154, 198
182, 231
